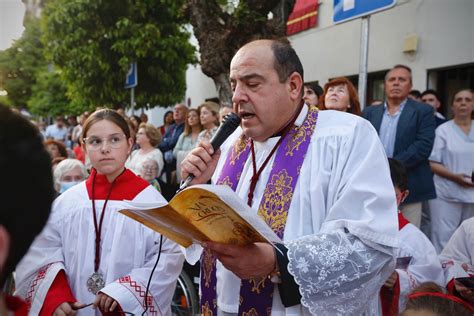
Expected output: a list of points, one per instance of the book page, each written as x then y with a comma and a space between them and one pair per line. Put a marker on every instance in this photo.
167, 222
222, 216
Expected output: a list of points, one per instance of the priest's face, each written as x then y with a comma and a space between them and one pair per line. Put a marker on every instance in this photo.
263, 102
108, 148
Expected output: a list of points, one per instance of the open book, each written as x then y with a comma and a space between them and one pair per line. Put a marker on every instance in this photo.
204, 213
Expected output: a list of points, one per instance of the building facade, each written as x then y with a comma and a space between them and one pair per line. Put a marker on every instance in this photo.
433, 37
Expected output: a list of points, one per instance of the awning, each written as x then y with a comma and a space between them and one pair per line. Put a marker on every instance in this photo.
303, 17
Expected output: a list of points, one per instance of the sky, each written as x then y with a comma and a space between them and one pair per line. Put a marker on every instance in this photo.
11, 21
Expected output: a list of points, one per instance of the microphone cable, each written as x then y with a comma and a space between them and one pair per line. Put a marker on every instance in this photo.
151, 275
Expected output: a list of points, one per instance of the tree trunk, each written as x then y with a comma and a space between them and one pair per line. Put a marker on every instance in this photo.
223, 87
220, 34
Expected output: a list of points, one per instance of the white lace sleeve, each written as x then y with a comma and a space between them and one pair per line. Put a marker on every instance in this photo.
337, 273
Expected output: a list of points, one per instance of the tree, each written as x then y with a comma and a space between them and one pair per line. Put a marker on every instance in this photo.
20, 63
49, 96
94, 41
222, 27
28, 77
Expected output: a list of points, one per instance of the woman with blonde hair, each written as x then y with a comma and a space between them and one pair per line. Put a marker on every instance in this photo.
148, 137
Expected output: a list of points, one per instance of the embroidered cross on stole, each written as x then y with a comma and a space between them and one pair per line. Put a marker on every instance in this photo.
256, 294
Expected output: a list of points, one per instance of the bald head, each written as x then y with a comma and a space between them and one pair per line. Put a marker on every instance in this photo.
267, 85
280, 53
179, 113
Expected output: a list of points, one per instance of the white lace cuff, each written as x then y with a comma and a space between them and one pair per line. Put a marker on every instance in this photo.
337, 273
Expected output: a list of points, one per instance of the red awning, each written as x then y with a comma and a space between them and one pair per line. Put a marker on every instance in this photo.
303, 17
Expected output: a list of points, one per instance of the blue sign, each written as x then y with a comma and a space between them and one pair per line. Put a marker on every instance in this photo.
345, 10
131, 80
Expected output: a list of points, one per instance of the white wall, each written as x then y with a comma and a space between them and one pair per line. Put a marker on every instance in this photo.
198, 86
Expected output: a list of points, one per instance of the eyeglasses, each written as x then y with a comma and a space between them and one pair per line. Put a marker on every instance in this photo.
96, 143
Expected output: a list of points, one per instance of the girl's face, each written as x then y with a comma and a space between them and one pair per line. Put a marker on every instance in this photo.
142, 139
108, 148
337, 98
207, 118
193, 118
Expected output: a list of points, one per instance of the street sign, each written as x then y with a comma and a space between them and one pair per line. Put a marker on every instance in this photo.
131, 80
345, 10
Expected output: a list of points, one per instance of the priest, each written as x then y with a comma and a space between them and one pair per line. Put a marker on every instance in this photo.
320, 180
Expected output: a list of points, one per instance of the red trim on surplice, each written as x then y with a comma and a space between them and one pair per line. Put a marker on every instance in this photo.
16, 305
402, 221
58, 293
126, 187
389, 299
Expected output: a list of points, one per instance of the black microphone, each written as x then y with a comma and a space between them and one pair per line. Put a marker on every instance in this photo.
229, 125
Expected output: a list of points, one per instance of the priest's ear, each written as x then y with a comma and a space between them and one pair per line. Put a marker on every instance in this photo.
295, 86
4, 247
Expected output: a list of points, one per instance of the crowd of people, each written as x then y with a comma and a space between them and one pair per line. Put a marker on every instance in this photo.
360, 234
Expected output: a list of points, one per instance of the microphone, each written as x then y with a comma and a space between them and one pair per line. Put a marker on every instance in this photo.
229, 125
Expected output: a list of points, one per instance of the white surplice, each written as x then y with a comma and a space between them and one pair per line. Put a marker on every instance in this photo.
128, 254
341, 227
459, 250
424, 265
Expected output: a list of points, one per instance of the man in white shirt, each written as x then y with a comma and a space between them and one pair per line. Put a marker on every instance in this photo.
58, 130
315, 187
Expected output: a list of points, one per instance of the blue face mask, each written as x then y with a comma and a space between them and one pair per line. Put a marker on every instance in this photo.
63, 186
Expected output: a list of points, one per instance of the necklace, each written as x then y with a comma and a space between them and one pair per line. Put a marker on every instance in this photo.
96, 281
256, 172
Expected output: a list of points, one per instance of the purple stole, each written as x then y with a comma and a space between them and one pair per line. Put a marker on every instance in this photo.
256, 294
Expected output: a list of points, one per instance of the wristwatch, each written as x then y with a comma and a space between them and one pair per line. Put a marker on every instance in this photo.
275, 275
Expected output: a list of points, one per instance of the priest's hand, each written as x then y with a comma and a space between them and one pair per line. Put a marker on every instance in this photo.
105, 303
200, 162
392, 279
67, 309
253, 261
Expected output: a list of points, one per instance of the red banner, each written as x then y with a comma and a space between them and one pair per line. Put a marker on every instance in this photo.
303, 17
